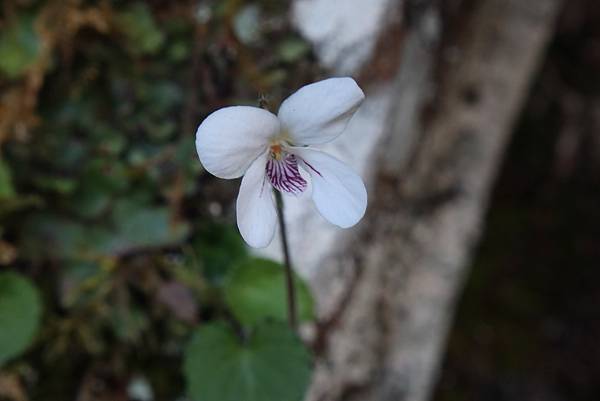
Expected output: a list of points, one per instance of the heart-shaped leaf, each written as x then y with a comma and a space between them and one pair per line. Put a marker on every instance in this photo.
20, 312
256, 291
271, 365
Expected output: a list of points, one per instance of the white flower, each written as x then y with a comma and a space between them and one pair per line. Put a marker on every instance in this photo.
268, 151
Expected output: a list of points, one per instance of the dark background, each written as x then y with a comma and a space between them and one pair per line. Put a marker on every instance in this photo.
528, 324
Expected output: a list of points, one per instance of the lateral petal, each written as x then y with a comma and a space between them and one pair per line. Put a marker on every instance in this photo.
319, 112
229, 139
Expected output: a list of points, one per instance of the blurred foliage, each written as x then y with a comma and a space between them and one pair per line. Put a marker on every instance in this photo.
106, 212
19, 47
19, 314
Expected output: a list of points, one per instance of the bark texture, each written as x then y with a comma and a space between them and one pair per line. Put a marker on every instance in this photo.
388, 295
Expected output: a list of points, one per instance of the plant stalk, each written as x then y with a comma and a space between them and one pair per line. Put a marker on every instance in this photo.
289, 275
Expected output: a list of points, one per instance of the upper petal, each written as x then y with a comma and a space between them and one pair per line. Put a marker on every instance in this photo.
338, 192
256, 213
319, 112
229, 139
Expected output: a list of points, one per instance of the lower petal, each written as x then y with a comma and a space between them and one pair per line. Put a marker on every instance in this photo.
338, 192
256, 214
284, 175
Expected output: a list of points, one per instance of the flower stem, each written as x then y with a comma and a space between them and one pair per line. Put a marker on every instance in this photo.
289, 275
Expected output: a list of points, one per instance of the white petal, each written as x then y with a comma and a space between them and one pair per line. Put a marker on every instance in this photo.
256, 214
229, 139
319, 112
338, 192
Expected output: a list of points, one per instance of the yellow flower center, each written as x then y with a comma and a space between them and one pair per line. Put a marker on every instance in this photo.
276, 151
277, 144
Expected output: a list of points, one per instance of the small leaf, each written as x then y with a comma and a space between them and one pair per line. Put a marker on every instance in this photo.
178, 51
256, 291
60, 185
20, 312
75, 280
140, 226
6, 186
292, 50
161, 97
272, 365
140, 28
90, 200
48, 235
219, 248
19, 47
134, 226
129, 323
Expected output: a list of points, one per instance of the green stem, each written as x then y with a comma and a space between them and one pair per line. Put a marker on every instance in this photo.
289, 275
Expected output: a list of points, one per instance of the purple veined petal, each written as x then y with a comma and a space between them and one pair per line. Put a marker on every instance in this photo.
284, 175
255, 207
338, 192
229, 139
318, 113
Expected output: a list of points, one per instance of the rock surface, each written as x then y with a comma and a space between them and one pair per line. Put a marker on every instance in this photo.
344, 35
428, 142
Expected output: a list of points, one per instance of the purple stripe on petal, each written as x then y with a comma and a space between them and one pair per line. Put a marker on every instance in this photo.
312, 168
284, 174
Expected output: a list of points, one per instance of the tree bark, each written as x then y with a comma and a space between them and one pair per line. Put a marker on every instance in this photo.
381, 335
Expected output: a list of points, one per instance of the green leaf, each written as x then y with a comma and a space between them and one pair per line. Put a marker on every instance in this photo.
19, 47
256, 291
140, 28
6, 186
129, 323
99, 183
178, 51
90, 201
75, 282
160, 97
292, 50
107, 175
20, 312
140, 226
219, 248
134, 225
61, 185
272, 365
48, 235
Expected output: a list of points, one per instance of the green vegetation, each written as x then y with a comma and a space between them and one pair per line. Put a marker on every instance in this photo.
116, 250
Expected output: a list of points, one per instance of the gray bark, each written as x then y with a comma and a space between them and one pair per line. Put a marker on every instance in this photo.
387, 296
